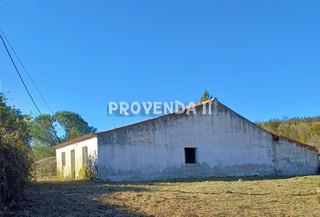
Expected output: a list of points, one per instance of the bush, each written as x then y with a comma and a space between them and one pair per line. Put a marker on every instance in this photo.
15, 160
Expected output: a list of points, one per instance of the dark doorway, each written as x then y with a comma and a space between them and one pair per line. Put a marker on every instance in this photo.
73, 170
190, 155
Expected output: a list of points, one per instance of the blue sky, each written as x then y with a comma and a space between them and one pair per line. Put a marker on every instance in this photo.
260, 58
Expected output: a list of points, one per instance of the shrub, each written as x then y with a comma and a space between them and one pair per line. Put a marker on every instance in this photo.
15, 160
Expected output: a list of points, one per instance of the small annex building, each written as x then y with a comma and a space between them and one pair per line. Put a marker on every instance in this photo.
218, 143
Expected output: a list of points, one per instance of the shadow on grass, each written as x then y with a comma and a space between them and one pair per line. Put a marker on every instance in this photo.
190, 180
85, 198
71, 198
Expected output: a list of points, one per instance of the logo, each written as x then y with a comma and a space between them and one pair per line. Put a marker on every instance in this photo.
155, 108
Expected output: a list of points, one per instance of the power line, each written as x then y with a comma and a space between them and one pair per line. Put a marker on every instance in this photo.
24, 68
19, 74
25, 86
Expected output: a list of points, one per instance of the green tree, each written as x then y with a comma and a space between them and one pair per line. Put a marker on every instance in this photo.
205, 96
15, 160
44, 134
73, 124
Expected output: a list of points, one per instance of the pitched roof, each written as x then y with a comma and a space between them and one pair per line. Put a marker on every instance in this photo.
91, 135
150, 119
87, 136
78, 139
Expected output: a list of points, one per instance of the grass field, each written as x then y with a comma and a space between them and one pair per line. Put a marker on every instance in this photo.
297, 196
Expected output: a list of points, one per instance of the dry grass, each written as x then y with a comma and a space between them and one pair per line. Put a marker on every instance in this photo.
296, 196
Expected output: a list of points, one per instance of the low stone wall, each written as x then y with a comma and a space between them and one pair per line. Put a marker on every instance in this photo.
46, 168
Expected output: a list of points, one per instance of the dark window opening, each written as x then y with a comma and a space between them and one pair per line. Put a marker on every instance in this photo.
190, 155
85, 155
63, 158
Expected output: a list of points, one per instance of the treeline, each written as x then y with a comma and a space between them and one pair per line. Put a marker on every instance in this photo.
305, 130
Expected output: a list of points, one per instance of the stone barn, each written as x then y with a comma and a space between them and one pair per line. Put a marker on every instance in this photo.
213, 141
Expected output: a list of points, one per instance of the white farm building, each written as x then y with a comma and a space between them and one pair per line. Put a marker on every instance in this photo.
219, 144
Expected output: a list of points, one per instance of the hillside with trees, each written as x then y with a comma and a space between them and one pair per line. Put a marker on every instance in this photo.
305, 130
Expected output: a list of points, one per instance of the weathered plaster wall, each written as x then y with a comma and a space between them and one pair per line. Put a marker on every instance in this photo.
293, 159
65, 171
227, 145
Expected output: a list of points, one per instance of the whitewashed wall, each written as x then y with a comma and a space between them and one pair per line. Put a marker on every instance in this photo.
227, 145
295, 160
91, 143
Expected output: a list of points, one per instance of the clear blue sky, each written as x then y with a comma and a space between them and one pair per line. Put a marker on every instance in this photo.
260, 58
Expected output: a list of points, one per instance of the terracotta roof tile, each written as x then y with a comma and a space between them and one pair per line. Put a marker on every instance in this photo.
297, 142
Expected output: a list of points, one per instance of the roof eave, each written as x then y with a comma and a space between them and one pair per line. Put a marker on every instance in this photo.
78, 139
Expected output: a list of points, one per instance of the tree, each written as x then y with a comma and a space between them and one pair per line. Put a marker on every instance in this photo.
205, 96
44, 136
15, 160
44, 133
73, 124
